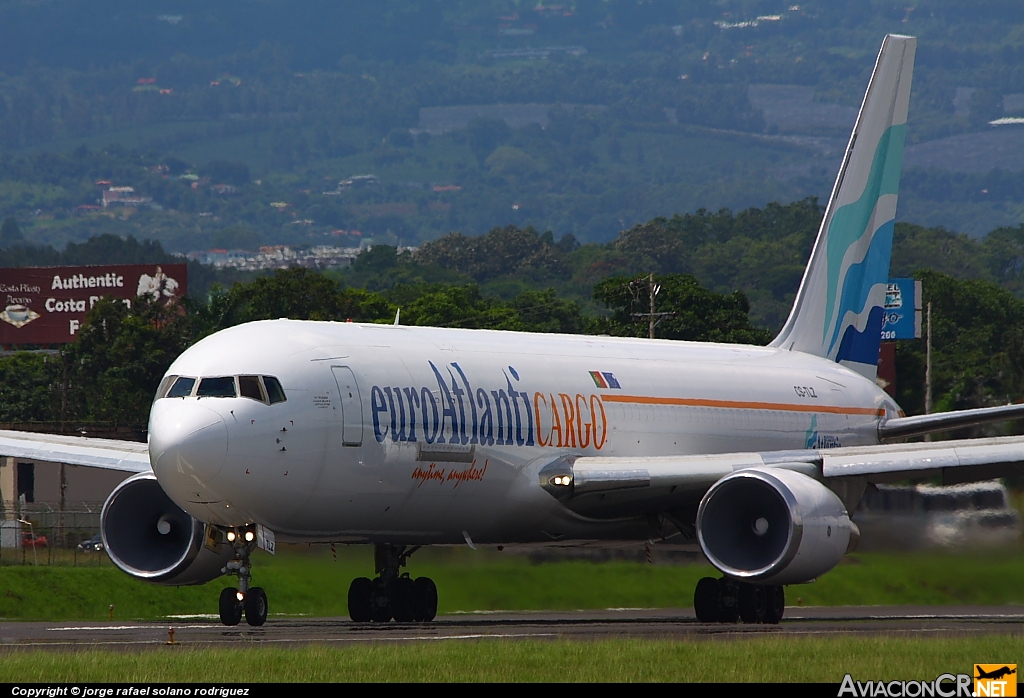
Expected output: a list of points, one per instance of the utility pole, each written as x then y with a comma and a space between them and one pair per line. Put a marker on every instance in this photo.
928, 370
928, 365
652, 289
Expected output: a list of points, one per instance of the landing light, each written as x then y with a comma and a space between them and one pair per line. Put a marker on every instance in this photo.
231, 536
249, 536
561, 480
240, 596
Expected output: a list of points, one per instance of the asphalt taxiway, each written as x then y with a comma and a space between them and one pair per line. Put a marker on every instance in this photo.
589, 625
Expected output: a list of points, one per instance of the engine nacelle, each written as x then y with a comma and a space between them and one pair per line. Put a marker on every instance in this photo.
151, 538
773, 526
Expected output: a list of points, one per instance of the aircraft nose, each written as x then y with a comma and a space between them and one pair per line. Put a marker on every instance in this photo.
187, 439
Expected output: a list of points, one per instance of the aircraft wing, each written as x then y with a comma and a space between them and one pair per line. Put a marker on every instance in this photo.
127, 456
608, 486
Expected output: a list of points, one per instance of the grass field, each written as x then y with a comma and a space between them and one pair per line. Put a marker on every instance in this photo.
819, 659
299, 582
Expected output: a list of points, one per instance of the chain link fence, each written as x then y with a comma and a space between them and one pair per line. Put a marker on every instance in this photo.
42, 534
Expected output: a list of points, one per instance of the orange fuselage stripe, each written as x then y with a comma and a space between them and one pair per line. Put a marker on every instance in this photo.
741, 405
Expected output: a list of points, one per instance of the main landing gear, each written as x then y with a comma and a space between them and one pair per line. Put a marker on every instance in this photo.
726, 601
250, 601
392, 595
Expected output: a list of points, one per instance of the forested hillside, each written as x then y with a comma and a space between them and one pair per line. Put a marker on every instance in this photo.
235, 123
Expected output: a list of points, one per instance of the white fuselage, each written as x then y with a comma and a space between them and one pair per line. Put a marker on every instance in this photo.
420, 435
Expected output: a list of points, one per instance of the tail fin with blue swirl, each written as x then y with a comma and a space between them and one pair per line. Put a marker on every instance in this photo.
838, 309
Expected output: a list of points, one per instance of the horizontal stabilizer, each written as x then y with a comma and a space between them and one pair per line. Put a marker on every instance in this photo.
900, 427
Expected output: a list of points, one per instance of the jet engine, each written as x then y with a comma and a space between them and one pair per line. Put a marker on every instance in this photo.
773, 526
151, 538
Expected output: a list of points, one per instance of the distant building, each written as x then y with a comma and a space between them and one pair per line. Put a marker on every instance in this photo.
355, 182
124, 196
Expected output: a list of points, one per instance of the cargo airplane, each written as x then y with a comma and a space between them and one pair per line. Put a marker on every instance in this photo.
403, 437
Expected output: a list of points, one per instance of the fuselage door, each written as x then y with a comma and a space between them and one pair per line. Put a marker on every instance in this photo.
351, 405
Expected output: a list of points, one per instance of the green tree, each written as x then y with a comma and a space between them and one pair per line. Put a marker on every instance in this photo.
299, 294
501, 252
121, 354
699, 315
543, 311
10, 233
977, 347
30, 387
458, 306
485, 134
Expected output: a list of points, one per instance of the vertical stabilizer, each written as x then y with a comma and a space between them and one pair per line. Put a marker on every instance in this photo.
838, 309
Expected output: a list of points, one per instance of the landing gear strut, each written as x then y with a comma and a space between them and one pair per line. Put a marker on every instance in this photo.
247, 600
726, 601
392, 594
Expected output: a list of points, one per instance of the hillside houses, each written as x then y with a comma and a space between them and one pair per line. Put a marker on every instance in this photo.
123, 196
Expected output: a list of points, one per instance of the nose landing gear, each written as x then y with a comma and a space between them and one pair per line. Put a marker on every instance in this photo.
244, 600
726, 601
392, 594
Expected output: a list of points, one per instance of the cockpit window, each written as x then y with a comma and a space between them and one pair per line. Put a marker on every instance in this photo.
217, 387
274, 389
249, 386
182, 387
165, 385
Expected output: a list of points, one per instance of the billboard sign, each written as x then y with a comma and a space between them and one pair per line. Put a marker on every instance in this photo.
901, 317
46, 305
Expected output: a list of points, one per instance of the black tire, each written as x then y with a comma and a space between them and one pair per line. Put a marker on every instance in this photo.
752, 603
426, 599
256, 607
359, 593
403, 600
707, 598
776, 603
728, 606
380, 604
230, 607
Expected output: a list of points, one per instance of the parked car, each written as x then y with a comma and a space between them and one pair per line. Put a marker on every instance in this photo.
94, 544
33, 540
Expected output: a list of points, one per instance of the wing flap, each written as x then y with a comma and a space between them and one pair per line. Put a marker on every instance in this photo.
995, 453
127, 456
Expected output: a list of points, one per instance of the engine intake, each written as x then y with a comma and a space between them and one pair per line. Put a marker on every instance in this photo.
149, 536
771, 525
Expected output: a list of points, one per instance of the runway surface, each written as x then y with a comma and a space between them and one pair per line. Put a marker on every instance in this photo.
918, 621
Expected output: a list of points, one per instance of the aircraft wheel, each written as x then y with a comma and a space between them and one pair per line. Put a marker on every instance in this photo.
403, 600
360, 592
752, 602
380, 604
256, 607
230, 607
776, 603
728, 606
426, 599
707, 598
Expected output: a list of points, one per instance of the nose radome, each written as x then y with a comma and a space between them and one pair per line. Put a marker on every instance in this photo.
187, 439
